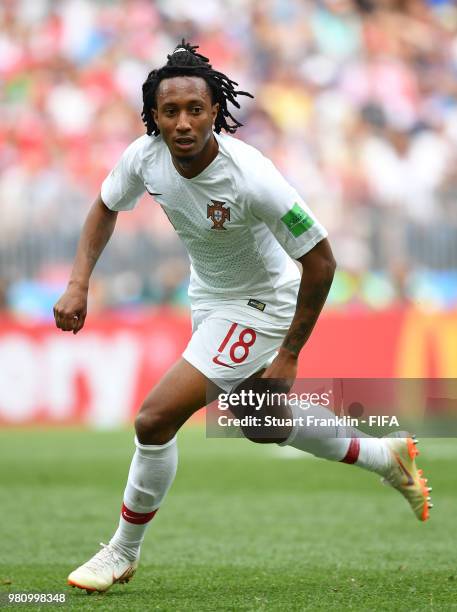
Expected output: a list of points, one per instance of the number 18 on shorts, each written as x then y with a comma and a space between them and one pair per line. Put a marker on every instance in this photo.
227, 351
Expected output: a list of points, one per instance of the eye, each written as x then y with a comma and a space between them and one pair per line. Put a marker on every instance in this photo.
169, 112
197, 110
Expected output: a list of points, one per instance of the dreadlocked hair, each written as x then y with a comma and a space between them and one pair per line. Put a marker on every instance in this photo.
185, 61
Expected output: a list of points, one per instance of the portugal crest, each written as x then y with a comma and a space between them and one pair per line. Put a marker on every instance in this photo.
218, 214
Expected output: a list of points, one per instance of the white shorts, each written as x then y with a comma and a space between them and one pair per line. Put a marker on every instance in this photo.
230, 344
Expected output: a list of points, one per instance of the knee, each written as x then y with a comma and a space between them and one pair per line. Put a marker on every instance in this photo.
265, 440
152, 426
253, 436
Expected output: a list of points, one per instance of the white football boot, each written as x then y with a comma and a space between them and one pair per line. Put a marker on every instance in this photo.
403, 475
103, 570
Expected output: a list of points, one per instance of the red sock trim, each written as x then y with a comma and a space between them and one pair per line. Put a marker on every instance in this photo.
353, 451
137, 518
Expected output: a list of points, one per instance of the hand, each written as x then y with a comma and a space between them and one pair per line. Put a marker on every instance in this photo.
70, 311
284, 369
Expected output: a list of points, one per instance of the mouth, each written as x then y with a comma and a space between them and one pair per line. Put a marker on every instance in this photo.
184, 142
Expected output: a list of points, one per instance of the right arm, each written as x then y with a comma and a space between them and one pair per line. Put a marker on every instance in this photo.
71, 309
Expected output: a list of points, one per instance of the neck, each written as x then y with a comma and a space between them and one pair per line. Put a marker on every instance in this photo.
189, 168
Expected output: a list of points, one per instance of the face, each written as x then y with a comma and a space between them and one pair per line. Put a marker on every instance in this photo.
185, 115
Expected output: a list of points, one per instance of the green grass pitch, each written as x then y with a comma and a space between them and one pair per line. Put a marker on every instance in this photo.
242, 528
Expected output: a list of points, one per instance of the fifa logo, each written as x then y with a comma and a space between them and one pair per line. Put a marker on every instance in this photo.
218, 214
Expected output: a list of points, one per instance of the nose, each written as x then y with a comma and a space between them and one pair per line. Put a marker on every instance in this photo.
183, 124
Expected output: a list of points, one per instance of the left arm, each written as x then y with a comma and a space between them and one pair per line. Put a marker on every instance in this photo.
318, 271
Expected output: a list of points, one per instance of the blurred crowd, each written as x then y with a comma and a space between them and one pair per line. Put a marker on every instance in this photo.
355, 102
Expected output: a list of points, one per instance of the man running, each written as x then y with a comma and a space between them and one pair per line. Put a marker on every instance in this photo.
243, 226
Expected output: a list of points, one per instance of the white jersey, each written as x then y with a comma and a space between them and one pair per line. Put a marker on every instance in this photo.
240, 220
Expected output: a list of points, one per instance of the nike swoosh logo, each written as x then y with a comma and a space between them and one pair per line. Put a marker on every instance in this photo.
405, 472
148, 189
128, 517
216, 360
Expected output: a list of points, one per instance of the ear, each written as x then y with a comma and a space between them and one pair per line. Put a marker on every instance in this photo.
155, 115
214, 111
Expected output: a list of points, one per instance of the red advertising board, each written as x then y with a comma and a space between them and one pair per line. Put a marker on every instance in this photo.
100, 376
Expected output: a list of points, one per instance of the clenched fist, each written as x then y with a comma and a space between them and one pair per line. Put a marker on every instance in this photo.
70, 311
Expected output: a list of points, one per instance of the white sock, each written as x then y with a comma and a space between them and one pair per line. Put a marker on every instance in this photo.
374, 455
336, 443
151, 474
